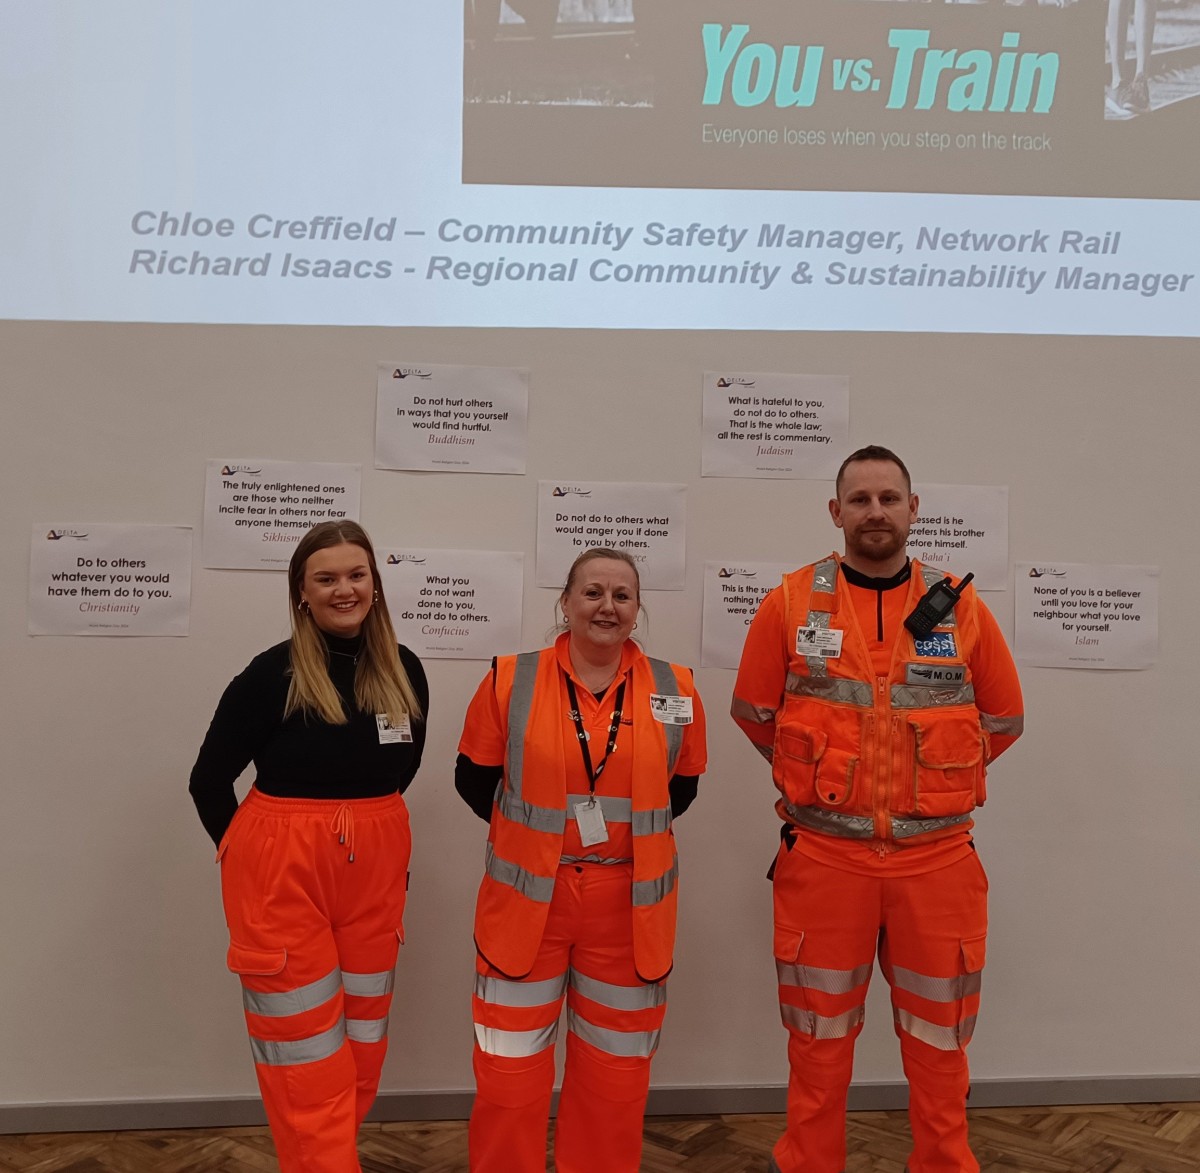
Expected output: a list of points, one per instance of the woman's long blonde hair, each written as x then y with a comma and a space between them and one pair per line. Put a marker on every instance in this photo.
380, 683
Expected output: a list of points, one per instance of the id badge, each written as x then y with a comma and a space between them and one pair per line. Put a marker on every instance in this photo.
671, 710
819, 641
390, 734
590, 819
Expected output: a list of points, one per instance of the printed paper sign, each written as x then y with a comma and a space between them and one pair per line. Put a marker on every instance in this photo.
759, 425
255, 511
732, 592
460, 419
454, 604
110, 579
1080, 615
961, 529
646, 521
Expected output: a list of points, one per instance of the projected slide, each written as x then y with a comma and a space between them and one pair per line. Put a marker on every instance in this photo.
682, 164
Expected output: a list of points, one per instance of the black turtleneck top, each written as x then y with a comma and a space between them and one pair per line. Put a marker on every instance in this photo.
878, 585
303, 756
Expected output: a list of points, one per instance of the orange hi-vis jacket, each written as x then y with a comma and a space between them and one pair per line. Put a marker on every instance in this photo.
525, 842
863, 756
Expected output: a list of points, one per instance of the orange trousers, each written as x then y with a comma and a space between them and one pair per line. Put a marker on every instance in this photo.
929, 931
314, 898
613, 1024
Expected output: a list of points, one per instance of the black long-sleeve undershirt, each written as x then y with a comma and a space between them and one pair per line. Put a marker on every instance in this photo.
302, 756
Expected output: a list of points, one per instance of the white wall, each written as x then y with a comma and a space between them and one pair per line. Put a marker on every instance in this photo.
113, 984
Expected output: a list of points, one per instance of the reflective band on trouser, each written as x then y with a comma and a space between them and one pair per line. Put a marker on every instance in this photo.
631, 1044
285, 1003
273, 1053
502, 992
369, 985
960, 992
820, 1026
517, 1019
366, 1030
515, 1044
826, 981
645, 996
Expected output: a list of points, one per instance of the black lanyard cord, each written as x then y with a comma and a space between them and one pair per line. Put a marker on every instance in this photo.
581, 733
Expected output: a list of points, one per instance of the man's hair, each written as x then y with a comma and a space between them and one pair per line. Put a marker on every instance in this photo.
871, 452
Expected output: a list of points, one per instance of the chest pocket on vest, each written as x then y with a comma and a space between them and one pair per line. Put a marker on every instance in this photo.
948, 765
807, 771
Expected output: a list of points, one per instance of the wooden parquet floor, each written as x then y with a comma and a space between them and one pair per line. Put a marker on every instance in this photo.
1142, 1138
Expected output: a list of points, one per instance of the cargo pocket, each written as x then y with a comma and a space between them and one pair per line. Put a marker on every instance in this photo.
973, 954
793, 999
798, 752
948, 766
246, 961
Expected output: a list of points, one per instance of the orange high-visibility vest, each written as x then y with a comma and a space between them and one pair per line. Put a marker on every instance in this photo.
877, 757
530, 815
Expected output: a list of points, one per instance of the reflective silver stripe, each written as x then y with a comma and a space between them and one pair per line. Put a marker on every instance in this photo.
367, 1030
1014, 726
742, 710
600, 859
819, 1026
520, 704
944, 1038
502, 992
932, 577
651, 822
930, 696
767, 751
627, 1044
827, 981
816, 818
369, 985
288, 1002
643, 997
652, 891
818, 666
515, 1044
831, 688
937, 989
907, 828
539, 818
615, 810
503, 871
309, 1050
832, 823
824, 583
666, 684
825, 577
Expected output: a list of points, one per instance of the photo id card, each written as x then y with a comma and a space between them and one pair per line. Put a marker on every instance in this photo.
819, 641
590, 819
671, 710
389, 734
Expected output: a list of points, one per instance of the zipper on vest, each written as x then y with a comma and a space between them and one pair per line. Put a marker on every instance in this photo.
883, 767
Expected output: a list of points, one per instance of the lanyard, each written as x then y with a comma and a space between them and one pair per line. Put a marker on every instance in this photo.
613, 730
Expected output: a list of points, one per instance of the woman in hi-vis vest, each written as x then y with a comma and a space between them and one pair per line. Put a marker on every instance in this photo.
578, 756
314, 861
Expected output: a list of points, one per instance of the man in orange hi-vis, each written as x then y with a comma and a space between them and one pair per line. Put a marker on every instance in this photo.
879, 739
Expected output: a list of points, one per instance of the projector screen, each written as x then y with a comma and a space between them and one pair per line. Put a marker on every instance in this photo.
688, 164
